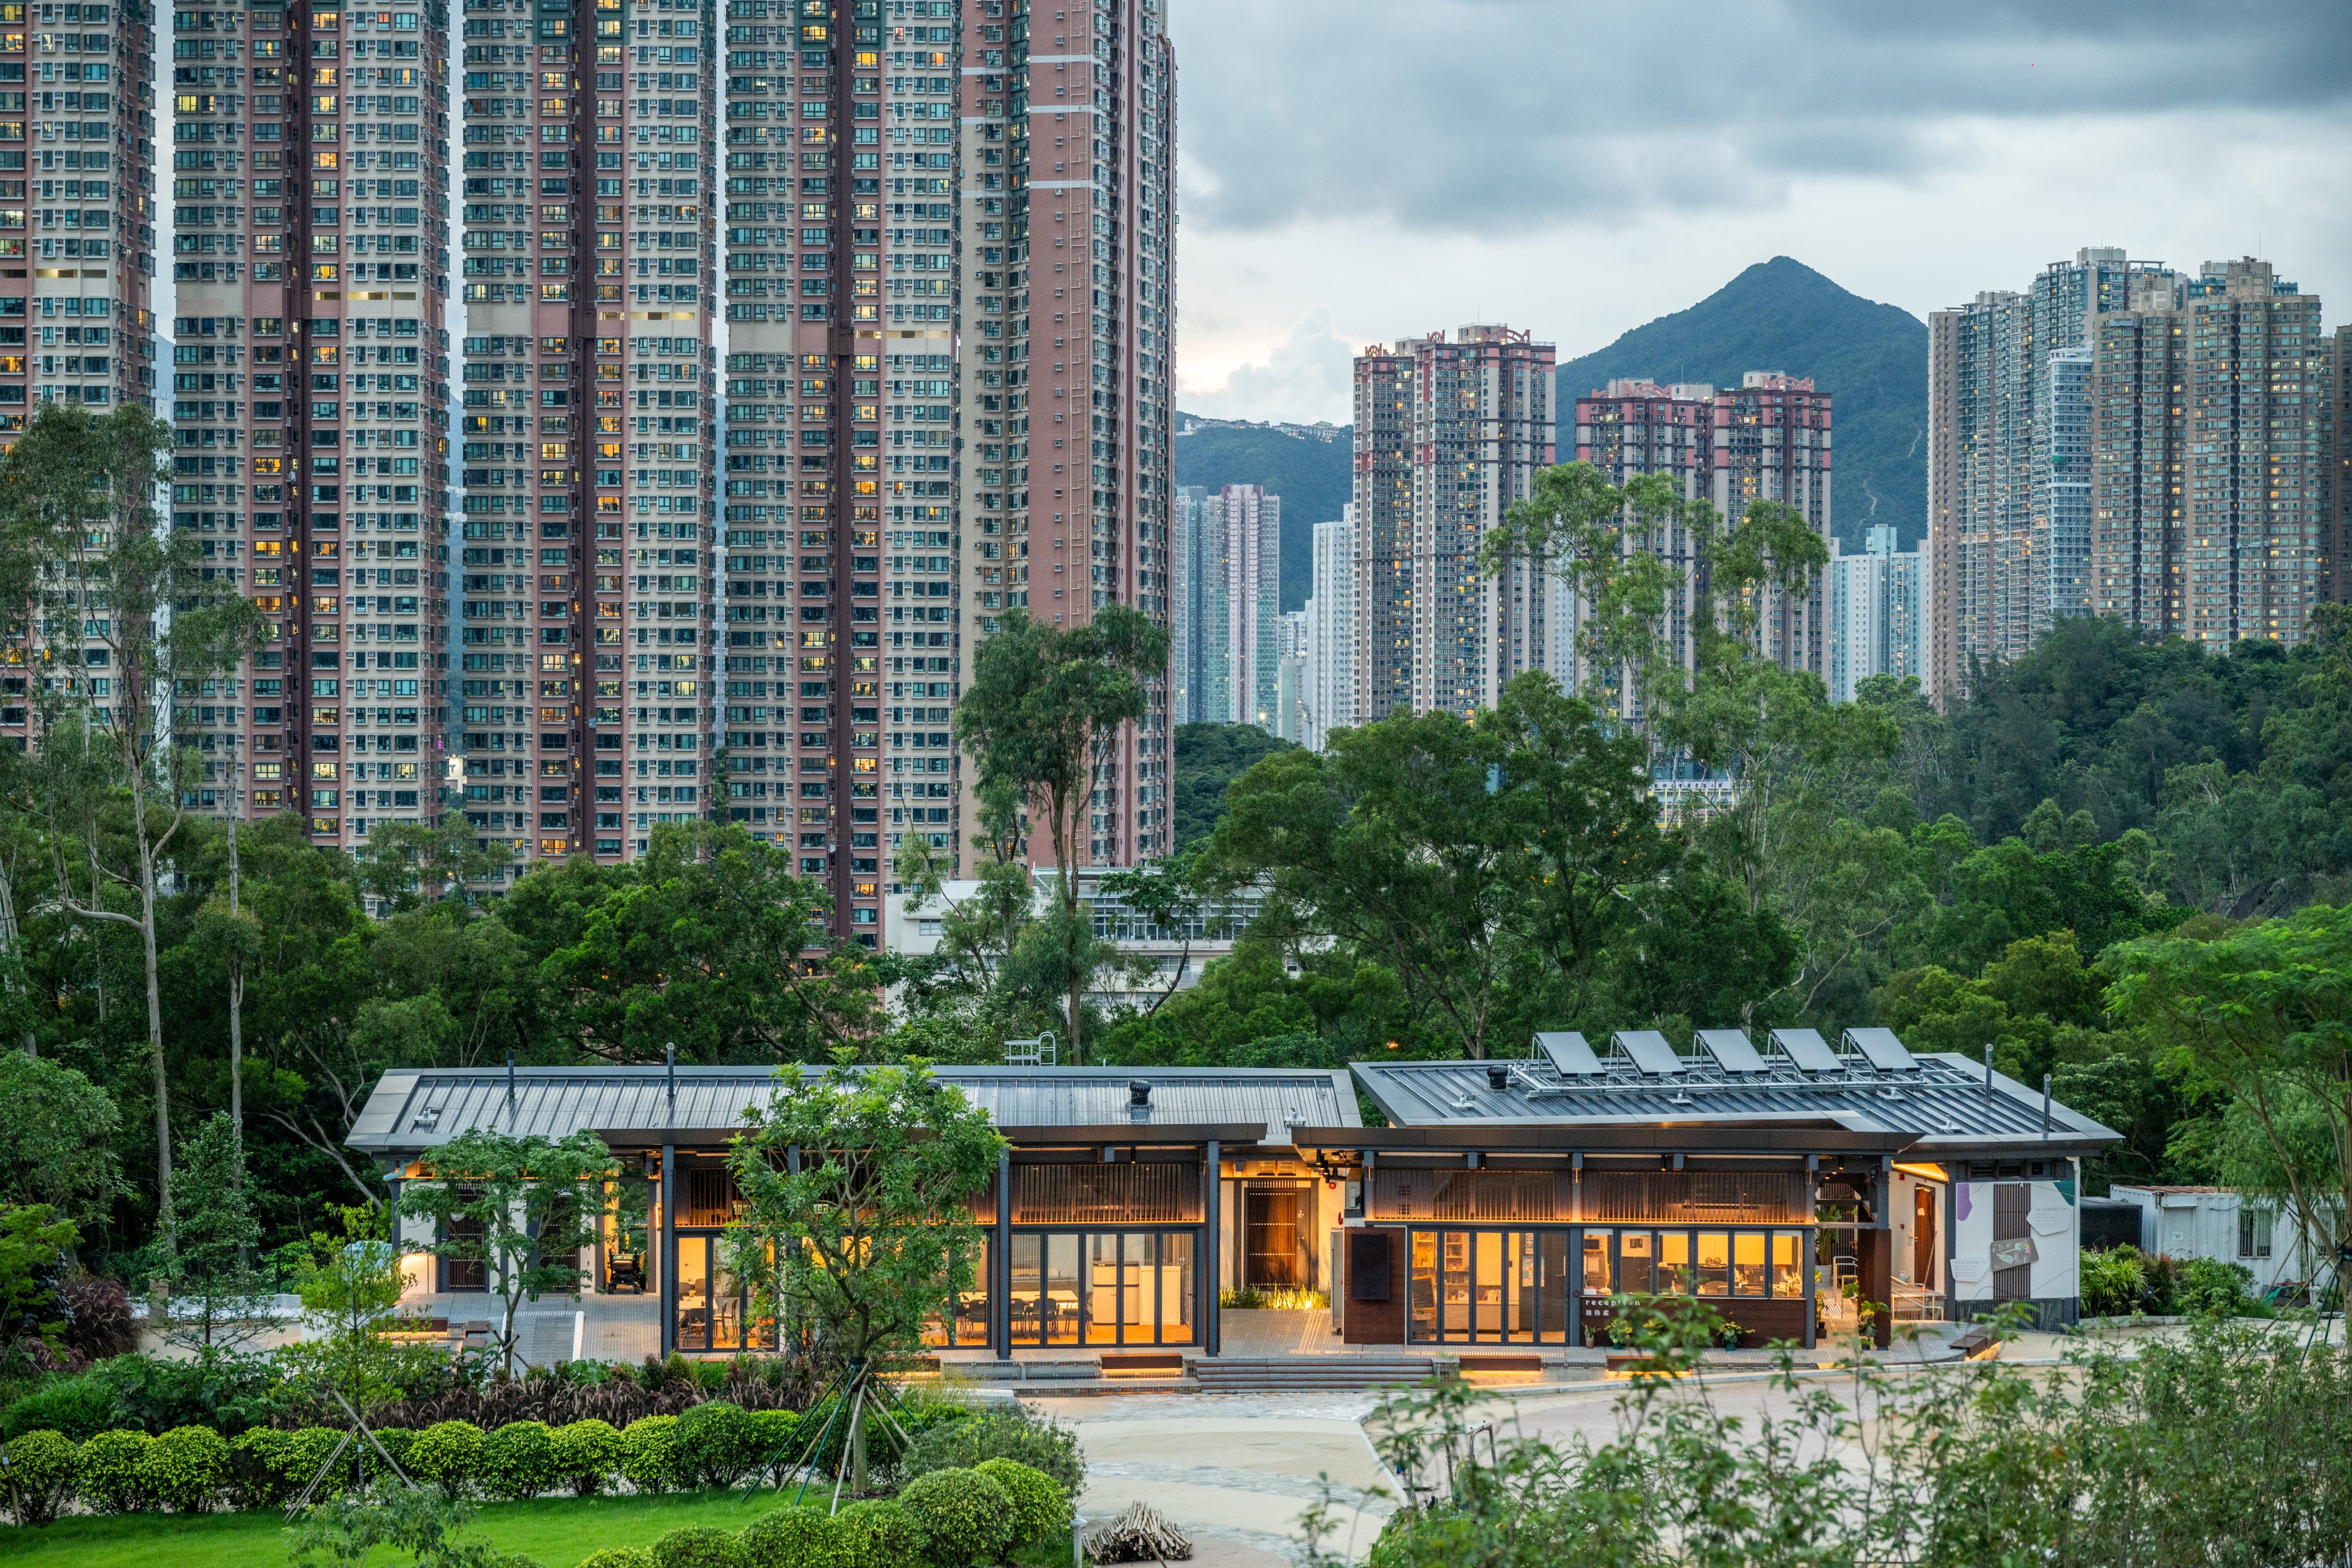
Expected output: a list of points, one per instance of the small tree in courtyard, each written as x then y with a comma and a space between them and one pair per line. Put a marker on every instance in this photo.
522, 1207
872, 1236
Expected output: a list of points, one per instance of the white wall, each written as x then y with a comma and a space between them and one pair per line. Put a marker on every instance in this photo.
2055, 1227
2206, 1224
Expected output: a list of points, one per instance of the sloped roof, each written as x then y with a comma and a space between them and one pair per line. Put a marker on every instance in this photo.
1945, 1101
422, 1108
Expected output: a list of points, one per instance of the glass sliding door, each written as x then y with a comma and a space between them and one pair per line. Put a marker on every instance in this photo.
1103, 1287
1491, 1286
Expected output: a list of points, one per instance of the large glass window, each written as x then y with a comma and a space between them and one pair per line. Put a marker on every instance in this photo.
1714, 1263
1100, 1287
693, 1331
1521, 1286
714, 1310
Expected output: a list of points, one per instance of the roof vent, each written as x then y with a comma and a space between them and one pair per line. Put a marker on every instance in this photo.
1499, 1076
1138, 1091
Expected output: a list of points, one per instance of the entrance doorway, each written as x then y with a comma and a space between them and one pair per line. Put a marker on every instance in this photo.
1923, 1237
1279, 1236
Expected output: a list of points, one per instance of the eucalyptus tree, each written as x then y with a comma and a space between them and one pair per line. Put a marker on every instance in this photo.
113, 588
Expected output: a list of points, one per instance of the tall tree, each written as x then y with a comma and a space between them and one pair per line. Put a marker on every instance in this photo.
2266, 1013
1474, 862
857, 1189
78, 493
1041, 718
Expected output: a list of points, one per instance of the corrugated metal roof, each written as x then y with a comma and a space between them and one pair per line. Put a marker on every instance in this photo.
1940, 1099
420, 1109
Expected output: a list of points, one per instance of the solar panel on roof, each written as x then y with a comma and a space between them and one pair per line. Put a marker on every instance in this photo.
1569, 1053
1807, 1049
1882, 1050
1649, 1050
1731, 1051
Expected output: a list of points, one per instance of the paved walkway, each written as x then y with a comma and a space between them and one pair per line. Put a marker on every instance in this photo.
1234, 1470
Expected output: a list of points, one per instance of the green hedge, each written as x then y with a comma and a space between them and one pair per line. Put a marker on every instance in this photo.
186, 1469
588, 1455
950, 1516
518, 1461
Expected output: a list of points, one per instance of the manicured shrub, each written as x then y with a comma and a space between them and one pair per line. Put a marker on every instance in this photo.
186, 1469
311, 1449
588, 1454
1037, 1441
697, 1546
518, 1461
878, 1533
650, 1461
41, 1470
793, 1538
967, 1517
397, 1441
775, 1440
619, 1557
79, 1407
261, 1468
448, 1454
712, 1445
1040, 1507
110, 1480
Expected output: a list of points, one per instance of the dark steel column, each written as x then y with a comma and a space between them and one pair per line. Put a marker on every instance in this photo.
1212, 1264
667, 1255
1000, 1263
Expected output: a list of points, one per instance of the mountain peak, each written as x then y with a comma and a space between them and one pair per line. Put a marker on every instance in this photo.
1781, 315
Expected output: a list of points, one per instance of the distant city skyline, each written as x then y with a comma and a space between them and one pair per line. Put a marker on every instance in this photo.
1907, 155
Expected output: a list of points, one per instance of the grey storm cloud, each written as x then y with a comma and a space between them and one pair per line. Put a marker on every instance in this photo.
1490, 115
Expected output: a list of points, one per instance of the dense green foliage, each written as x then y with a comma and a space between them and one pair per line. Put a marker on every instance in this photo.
1782, 315
1315, 479
1208, 758
2223, 1448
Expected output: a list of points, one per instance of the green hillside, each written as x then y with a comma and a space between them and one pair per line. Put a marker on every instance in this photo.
1782, 315
1311, 477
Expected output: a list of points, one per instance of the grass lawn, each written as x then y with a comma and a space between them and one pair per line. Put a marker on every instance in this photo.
558, 1532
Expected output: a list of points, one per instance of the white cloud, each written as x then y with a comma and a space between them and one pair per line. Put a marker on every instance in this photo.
1312, 368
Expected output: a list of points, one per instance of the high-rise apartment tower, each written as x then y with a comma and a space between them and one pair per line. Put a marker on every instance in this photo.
311, 398
1067, 374
1449, 437
587, 422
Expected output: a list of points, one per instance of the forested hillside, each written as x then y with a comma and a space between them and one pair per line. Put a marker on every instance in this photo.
1312, 478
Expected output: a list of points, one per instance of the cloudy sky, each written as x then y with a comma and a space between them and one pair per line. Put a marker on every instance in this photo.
1356, 170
